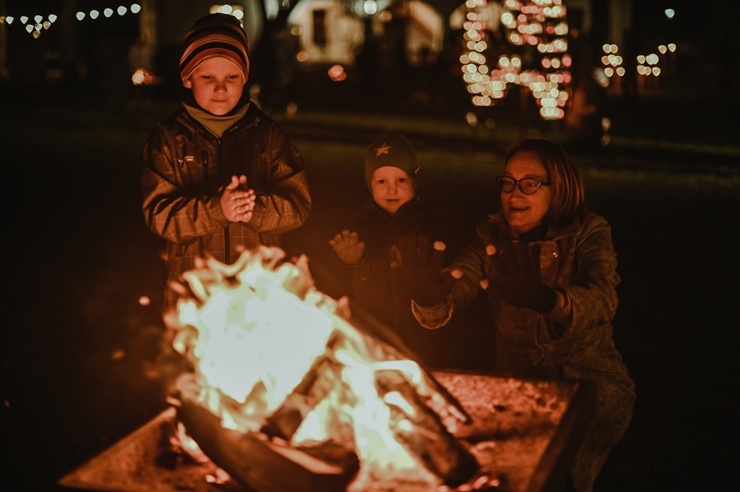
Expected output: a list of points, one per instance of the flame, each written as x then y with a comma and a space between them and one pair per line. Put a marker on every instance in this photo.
253, 330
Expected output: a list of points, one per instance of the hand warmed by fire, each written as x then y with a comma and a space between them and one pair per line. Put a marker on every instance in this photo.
277, 360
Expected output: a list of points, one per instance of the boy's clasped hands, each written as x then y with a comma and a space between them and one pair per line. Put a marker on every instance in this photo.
237, 200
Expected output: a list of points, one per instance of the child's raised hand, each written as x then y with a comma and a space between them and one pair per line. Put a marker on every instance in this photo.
348, 247
237, 201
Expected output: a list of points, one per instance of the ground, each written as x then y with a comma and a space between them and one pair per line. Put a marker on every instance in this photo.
80, 352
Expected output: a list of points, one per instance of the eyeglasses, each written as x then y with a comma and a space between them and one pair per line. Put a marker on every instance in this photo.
528, 186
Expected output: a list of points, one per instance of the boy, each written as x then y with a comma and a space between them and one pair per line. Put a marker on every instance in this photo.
219, 175
369, 248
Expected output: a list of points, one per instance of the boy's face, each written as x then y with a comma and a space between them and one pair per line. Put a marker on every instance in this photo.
392, 187
217, 85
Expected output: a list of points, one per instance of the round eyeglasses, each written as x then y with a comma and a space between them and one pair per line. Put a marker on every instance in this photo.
528, 186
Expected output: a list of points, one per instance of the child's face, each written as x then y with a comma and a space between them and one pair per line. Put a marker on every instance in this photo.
392, 187
217, 85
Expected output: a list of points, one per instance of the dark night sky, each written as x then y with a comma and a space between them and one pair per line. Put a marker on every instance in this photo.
650, 16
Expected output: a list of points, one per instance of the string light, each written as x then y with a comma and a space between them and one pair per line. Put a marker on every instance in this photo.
34, 24
540, 24
647, 64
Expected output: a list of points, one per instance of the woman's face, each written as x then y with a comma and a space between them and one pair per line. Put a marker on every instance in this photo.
217, 85
392, 187
525, 212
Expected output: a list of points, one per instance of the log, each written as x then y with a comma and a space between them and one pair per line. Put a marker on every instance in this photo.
323, 377
427, 439
368, 324
259, 463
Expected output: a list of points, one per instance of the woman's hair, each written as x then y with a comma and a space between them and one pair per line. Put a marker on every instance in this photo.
566, 184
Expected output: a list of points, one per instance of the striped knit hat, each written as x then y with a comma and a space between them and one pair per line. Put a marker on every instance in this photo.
215, 35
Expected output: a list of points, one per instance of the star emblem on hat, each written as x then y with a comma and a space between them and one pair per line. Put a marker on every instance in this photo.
382, 150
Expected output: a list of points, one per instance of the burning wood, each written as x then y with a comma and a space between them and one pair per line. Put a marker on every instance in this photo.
275, 362
262, 464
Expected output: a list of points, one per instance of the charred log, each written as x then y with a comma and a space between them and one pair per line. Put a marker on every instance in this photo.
445, 401
322, 378
262, 464
422, 433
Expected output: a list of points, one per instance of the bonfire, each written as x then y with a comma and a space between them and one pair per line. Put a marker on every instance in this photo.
278, 364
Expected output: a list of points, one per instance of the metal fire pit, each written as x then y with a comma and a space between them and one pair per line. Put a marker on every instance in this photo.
523, 434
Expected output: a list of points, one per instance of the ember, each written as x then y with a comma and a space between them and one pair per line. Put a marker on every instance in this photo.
277, 361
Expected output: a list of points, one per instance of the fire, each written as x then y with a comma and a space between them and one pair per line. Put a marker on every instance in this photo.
264, 343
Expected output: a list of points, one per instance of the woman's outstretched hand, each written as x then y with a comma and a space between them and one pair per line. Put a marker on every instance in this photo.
420, 265
515, 277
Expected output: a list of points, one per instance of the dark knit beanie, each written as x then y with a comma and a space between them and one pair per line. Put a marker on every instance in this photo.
390, 149
215, 35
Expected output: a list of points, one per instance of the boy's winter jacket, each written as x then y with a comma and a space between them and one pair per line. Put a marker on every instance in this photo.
186, 167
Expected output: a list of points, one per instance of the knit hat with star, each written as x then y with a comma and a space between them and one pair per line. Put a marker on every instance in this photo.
390, 149
215, 35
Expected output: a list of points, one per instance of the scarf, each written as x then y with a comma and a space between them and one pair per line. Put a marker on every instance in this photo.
215, 124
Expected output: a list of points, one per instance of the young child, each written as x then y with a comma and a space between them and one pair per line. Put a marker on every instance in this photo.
369, 247
219, 176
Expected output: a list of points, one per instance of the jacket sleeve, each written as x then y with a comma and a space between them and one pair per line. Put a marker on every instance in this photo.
286, 204
590, 298
471, 263
172, 207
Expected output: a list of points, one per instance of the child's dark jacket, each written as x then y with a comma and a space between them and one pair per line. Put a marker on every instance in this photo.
375, 282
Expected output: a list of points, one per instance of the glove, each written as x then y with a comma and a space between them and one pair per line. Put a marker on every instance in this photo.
420, 269
515, 277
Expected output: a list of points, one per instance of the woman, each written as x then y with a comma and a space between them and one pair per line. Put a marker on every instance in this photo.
548, 267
